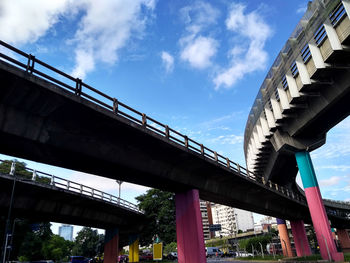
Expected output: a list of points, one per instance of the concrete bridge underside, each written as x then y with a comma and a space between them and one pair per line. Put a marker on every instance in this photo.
42, 122
44, 202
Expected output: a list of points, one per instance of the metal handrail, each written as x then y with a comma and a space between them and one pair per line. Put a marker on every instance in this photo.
59, 182
141, 119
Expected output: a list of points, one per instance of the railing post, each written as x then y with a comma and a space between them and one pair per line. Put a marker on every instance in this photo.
78, 86
270, 184
92, 192
202, 149
167, 131
34, 175
102, 195
68, 185
52, 180
276, 186
115, 105
81, 188
30, 64
186, 141
144, 119
263, 180
216, 156
228, 162
13, 168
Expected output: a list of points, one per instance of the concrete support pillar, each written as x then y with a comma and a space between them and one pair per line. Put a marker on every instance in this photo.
300, 239
111, 249
344, 239
189, 229
284, 237
317, 210
133, 248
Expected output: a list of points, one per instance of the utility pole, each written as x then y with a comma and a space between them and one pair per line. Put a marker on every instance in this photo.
120, 185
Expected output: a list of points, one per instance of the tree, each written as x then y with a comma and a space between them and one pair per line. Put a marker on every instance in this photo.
247, 244
5, 168
87, 243
57, 248
159, 208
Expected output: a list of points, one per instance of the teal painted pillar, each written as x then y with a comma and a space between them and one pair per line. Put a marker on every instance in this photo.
317, 210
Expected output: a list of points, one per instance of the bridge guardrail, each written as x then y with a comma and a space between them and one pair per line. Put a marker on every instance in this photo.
122, 110
59, 182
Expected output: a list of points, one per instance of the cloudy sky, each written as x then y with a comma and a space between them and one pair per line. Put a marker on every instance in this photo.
194, 65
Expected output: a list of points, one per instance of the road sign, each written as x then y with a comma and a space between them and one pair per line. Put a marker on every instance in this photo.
215, 227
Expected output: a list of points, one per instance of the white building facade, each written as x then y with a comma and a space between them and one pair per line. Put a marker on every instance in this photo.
231, 219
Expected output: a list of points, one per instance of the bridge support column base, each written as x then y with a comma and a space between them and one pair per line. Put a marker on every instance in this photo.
344, 239
284, 237
133, 248
300, 239
317, 210
111, 249
189, 229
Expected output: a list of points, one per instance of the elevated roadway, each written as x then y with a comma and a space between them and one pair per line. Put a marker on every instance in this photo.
60, 121
304, 95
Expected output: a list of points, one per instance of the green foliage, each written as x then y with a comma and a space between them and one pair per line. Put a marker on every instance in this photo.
171, 247
247, 244
159, 207
5, 168
215, 242
88, 243
57, 248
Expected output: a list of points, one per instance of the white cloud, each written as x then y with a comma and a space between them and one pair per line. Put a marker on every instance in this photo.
199, 52
168, 61
227, 139
335, 167
248, 55
301, 9
104, 184
105, 29
24, 21
197, 49
331, 181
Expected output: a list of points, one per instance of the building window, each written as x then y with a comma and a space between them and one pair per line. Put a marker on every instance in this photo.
305, 53
320, 35
285, 83
277, 95
337, 14
294, 69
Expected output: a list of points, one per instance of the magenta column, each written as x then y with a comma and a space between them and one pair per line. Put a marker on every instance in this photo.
189, 228
300, 239
316, 207
111, 250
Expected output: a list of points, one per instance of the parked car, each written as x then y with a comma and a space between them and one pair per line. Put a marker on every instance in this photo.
172, 255
123, 258
244, 254
146, 257
79, 259
213, 252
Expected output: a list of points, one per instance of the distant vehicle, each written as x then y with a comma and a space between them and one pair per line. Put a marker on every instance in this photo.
213, 252
172, 255
146, 257
229, 253
244, 254
79, 259
123, 258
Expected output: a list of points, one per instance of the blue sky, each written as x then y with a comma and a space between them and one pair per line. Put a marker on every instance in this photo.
194, 65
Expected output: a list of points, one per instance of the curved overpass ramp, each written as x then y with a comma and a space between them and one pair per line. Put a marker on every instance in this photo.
304, 95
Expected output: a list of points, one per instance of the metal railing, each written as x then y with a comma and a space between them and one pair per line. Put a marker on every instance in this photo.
25, 173
78, 87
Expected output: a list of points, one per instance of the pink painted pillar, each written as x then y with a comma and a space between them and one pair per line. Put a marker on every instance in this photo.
300, 239
316, 207
344, 239
189, 228
111, 250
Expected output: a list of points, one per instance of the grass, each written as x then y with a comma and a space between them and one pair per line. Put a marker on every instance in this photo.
347, 257
266, 257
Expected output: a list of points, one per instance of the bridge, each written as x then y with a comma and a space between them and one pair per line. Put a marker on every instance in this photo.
305, 94
51, 117
41, 196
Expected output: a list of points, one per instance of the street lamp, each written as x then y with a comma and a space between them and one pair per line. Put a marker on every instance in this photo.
120, 185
